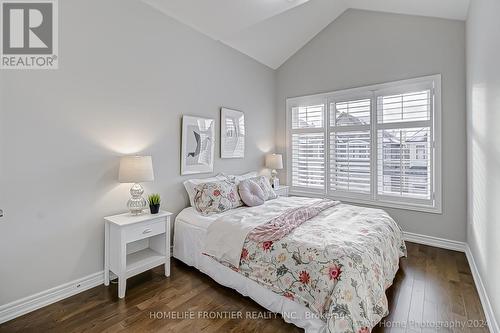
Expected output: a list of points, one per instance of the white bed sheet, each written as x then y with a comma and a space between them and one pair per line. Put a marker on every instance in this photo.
191, 216
189, 240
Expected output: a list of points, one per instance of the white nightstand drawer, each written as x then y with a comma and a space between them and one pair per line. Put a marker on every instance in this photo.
145, 230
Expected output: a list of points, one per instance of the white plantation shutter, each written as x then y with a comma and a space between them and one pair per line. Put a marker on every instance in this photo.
353, 112
404, 144
350, 161
308, 160
308, 147
350, 146
413, 106
404, 162
308, 117
376, 145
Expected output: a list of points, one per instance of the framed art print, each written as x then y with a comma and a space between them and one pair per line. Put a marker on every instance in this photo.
232, 143
198, 143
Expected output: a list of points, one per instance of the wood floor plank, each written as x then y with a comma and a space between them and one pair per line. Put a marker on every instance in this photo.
416, 311
429, 317
433, 286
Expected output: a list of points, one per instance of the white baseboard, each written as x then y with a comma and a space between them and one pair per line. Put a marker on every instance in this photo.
435, 241
31, 303
485, 301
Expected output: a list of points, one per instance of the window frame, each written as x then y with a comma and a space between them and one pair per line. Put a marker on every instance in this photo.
304, 102
340, 97
432, 82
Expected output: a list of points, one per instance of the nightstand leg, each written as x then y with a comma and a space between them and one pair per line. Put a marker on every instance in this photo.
122, 279
122, 286
106, 254
167, 247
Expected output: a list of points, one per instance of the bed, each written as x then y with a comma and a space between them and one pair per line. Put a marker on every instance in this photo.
329, 274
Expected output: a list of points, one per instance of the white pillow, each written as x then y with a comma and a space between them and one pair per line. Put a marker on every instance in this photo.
238, 178
190, 185
264, 184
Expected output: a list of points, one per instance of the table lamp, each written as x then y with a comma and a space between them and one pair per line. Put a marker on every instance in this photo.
136, 169
274, 161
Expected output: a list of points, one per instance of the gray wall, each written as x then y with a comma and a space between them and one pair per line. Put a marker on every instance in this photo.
362, 48
127, 74
483, 143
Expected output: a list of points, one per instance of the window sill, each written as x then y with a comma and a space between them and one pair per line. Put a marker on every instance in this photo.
377, 204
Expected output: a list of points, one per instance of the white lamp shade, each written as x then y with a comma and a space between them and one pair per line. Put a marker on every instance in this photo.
136, 169
274, 161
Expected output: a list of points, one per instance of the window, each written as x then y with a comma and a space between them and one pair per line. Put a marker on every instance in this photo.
308, 146
377, 145
350, 151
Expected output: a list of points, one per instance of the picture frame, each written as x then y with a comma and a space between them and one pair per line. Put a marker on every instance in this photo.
197, 145
232, 143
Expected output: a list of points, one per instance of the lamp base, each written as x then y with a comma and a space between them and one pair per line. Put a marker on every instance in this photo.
136, 204
275, 181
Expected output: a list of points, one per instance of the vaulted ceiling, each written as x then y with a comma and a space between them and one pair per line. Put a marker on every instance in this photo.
271, 31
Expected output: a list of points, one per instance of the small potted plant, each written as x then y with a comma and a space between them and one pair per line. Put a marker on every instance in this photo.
154, 203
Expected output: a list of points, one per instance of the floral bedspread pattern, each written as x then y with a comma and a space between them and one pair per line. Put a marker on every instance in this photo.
338, 264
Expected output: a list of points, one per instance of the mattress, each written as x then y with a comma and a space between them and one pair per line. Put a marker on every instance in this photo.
189, 240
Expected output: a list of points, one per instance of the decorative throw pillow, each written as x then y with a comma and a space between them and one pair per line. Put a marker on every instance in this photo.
251, 193
264, 184
191, 184
216, 197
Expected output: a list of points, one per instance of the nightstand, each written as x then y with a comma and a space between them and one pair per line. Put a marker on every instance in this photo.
135, 243
282, 190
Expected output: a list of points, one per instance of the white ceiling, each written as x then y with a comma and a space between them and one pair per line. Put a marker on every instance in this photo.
271, 31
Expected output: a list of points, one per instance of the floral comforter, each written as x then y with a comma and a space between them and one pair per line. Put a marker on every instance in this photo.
338, 264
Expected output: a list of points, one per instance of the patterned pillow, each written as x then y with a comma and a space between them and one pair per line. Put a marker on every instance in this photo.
264, 184
216, 197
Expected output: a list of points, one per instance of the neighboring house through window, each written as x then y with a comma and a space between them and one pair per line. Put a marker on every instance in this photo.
378, 144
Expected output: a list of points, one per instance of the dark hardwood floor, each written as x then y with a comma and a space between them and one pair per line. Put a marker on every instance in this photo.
432, 290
